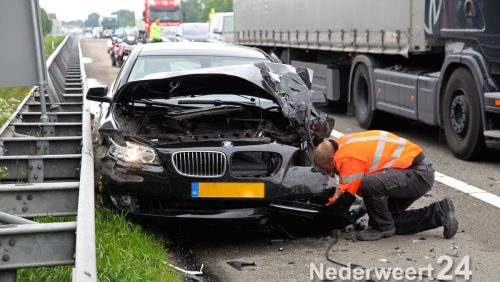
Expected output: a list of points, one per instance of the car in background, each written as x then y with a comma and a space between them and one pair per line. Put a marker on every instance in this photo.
88, 35
222, 143
192, 32
221, 28
107, 33
169, 33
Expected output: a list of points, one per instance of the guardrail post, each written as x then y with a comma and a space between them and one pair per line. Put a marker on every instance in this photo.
41, 68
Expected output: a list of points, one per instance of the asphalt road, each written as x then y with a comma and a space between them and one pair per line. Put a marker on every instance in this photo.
290, 260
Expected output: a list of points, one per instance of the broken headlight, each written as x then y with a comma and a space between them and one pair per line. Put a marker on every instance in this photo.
133, 153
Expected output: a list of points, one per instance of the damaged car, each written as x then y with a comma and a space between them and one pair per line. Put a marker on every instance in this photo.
233, 142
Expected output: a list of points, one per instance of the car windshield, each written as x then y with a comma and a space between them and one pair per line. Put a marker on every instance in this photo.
147, 65
165, 14
195, 29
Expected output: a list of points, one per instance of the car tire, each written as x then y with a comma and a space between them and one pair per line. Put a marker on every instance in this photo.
363, 98
461, 110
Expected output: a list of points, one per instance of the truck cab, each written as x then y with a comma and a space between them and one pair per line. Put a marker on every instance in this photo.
221, 28
168, 11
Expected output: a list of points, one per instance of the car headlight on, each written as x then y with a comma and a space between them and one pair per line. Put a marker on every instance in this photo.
134, 153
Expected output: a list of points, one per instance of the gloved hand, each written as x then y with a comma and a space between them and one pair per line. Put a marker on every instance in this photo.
341, 204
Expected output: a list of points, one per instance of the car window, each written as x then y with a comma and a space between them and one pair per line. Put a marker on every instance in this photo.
228, 61
228, 24
147, 65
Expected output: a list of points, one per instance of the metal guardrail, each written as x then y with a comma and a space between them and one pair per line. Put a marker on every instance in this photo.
50, 173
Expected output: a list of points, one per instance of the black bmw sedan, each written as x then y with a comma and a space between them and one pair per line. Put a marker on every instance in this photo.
228, 142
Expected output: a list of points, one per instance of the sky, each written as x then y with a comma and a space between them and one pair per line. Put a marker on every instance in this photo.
79, 9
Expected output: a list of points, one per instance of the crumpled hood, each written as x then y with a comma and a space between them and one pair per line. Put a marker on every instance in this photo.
287, 85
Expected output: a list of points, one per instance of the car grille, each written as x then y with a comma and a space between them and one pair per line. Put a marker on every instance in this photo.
199, 163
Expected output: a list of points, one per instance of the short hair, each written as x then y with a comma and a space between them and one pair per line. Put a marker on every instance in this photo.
324, 152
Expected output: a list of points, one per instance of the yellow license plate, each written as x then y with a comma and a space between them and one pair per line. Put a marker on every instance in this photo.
227, 190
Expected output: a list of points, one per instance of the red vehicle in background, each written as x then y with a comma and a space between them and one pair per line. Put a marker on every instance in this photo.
168, 11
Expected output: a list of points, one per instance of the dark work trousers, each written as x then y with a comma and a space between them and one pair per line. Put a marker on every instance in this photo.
387, 195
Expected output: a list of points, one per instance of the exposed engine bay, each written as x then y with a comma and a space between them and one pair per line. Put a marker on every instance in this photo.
203, 123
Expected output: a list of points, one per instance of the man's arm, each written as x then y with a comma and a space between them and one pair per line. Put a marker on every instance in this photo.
351, 172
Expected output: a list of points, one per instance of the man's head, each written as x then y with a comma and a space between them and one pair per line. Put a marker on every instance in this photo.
323, 156
157, 20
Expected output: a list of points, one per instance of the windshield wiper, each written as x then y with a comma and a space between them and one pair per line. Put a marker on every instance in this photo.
216, 103
155, 103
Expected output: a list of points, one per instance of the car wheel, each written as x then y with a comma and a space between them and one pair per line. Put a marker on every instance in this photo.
363, 98
461, 109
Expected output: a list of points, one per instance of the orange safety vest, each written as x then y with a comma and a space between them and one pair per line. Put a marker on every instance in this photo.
368, 152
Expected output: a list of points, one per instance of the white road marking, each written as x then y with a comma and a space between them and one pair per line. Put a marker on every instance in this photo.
459, 185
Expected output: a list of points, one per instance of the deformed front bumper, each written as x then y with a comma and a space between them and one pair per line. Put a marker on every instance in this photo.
162, 192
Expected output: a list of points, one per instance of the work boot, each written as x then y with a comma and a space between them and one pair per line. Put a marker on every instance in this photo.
373, 234
449, 221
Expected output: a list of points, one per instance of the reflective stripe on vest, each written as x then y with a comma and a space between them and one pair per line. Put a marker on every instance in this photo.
397, 153
351, 178
378, 152
382, 139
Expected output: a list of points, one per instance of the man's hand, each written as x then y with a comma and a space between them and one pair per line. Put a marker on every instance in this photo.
341, 203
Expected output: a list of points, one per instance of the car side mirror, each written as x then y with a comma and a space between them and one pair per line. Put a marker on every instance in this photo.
318, 98
275, 58
98, 94
217, 30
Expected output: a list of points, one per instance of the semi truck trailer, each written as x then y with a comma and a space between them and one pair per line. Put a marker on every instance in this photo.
433, 61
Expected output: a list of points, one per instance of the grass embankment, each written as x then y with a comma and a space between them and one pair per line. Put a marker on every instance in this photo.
125, 252
50, 44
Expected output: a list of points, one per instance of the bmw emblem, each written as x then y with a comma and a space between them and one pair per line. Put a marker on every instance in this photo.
227, 144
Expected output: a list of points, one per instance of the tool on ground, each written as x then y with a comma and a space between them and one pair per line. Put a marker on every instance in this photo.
238, 265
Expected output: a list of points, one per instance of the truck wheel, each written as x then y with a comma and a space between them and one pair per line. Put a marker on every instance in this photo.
363, 98
461, 109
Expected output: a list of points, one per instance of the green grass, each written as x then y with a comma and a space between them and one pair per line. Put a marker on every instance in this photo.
47, 42
9, 100
125, 252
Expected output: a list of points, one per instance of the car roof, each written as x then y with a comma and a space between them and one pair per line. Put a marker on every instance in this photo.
200, 49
